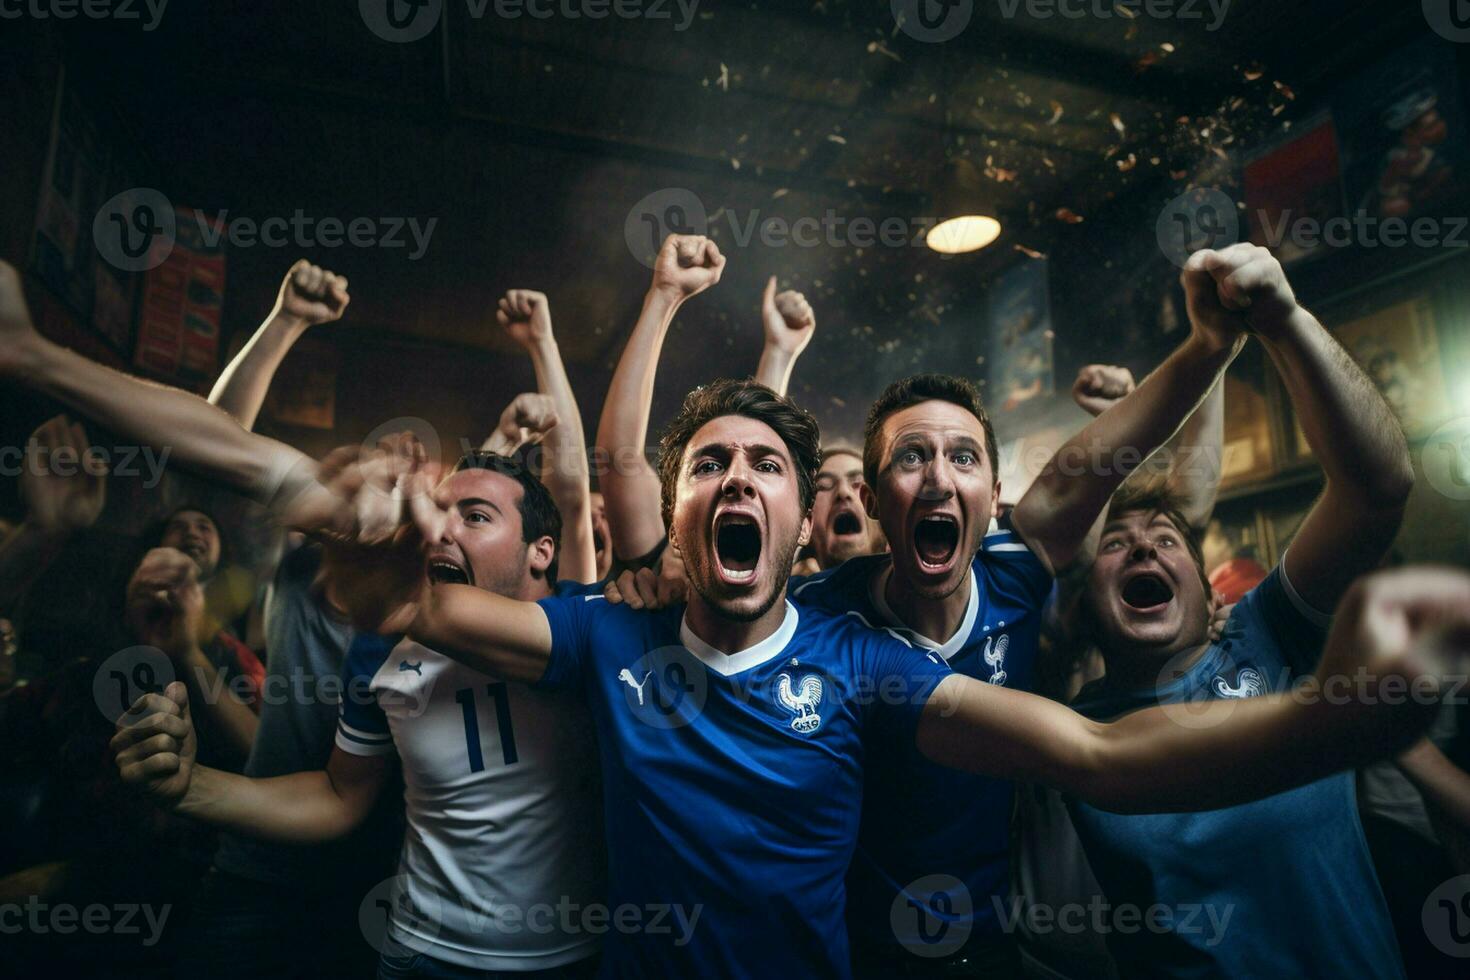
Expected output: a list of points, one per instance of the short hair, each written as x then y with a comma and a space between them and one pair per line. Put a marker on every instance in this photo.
751, 399
540, 517
153, 533
841, 449
1157, 497
922, 388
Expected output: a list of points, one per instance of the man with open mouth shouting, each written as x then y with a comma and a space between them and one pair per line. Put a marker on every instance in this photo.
1306, 900
973, 594
731, 729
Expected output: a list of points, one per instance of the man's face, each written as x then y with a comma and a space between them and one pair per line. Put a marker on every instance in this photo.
840, 528
601, 536
482, 544
738, 519
193, 532
1144, 588
935, 495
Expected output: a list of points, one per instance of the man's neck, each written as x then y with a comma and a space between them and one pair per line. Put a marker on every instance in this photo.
935, 618
1143, 669
732, 635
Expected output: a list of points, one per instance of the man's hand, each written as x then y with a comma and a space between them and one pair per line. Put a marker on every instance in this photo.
57, 503
525, 420
1236, 290
1395, 639
650, 589
526, 317
155, 745
687, 265
311, 295
165, 602
788, 319
1100, 386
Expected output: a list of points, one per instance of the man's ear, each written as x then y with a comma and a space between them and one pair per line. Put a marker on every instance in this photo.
541, 552
869, 499
806, 530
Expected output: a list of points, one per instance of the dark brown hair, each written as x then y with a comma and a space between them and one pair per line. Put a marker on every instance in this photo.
923, 388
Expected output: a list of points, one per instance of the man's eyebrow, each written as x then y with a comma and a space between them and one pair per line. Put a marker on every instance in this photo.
464, 502
1111, 526
722, 450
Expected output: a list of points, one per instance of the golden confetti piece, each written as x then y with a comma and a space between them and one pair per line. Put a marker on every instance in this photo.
840, 140
1117, 122
1253, 72
1127, 13
1167, 48
1069, 216
1056, 113
1126, 165
780, 192
1030, 253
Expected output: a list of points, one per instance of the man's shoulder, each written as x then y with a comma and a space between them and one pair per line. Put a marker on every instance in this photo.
841, 588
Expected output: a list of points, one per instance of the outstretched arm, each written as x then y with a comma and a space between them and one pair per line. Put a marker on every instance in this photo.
1396, 632
309, 295
193, 433
789, 324
526, 316
686, 265
155, 748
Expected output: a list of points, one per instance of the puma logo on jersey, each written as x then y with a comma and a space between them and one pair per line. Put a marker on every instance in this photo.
1248, 684
803, 700
404, 665
626, 676
996, 658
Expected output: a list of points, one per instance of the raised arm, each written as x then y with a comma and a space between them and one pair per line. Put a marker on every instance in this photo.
789, 323
526, 316
309, 295
1374, 693
195, 434
1062, 504
155, 749
686, 265
64, 490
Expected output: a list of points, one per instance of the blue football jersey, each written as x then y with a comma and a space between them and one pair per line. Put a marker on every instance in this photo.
732, 782
933, 853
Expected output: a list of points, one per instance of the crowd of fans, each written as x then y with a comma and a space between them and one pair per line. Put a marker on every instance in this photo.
756, 703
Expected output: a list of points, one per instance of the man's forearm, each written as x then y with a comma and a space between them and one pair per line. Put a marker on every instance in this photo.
242, 385
300, 808
1351, 429
227, 721
774, 369
195, 434
504, 638
564, 465
633, 513
1074, 486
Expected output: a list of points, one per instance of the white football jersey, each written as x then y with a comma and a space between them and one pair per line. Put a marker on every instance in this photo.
504, 848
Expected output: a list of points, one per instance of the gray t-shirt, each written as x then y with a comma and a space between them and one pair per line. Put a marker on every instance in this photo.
305, 645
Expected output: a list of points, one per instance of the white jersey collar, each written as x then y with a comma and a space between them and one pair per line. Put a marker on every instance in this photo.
877, 584
727, 664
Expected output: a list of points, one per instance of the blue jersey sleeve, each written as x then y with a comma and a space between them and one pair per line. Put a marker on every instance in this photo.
900, 679
570, 618
1298, 629
1013, 572
362, 727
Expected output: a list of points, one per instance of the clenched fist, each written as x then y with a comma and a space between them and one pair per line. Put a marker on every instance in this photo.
1236, 290
63, 486
788, 319
155, 747
311, 295
525, 420
165, 602
1100, 386
686, 265
526, 317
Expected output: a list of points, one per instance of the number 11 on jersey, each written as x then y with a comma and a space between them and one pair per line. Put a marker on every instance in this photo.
466, 698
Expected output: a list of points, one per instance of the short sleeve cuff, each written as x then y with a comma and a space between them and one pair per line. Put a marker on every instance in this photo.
355, 741
1316, 617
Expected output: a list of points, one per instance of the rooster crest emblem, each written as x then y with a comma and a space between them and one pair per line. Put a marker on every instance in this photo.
1248, 684
996, 659
803, 701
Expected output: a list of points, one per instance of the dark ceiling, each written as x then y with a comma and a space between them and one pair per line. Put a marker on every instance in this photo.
529, 140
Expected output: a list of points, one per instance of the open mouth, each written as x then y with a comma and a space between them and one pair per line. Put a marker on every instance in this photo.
847, 523
444, 571
1147, 592
935, 540
737, 547
597, 542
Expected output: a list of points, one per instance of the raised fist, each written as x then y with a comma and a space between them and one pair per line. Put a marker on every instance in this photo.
1236, 290
155, 747
311, 295
788, 319
525, 420
165, 602
526, 316
1100, 386
64, 486
686, 265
